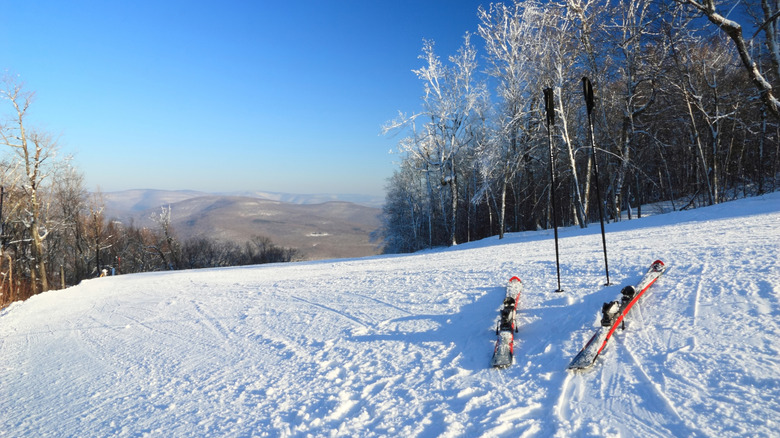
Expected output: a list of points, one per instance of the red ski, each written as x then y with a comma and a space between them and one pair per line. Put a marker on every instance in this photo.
613, 314
506, 328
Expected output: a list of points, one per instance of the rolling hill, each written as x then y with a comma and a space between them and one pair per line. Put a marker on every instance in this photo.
334, 229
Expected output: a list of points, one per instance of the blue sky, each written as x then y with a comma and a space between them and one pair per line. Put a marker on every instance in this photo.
230, 95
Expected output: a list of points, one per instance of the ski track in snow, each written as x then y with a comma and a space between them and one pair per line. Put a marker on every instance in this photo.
400, 345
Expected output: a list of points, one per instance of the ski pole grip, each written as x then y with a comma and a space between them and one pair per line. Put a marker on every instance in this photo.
587, 90
549, 103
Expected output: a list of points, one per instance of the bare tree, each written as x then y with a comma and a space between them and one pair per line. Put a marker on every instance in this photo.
506, 34
34, 148
554, 35
732, 28
96, 227
8, 178
166, 246
68, 243
639, 53
453, 101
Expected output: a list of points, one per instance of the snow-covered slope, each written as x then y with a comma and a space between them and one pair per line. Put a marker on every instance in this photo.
400, 345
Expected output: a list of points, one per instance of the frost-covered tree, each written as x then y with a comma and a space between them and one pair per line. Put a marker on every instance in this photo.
554, 49
165, 244
501, 157
672, 118
34, 149
445, 130
404, 218
715, 10
68, 243
639, 53
704, 73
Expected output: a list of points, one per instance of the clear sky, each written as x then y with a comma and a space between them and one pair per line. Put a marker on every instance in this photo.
227, 95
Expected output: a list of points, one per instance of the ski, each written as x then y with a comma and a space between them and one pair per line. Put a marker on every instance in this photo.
613, 314
503, 352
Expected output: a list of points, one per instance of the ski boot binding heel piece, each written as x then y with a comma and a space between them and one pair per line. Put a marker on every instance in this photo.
609, 311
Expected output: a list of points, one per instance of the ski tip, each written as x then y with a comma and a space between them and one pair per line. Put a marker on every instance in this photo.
515, 278
581, 363
658, 266
575, 369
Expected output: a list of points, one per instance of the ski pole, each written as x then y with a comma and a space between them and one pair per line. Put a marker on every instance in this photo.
587, 90
549, 103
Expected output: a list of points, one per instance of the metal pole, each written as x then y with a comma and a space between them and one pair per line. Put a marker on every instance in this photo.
587, 90
549, 103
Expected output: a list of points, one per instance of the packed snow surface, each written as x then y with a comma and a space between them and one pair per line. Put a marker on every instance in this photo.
401, 345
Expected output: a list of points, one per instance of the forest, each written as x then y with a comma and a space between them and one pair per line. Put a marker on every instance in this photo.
682, 109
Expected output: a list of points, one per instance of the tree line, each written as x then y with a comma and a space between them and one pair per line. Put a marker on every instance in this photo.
684, 112
54, 233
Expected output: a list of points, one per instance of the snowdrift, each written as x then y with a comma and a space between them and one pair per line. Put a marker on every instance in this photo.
401, 345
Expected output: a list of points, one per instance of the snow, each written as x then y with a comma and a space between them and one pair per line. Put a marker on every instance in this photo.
401, 345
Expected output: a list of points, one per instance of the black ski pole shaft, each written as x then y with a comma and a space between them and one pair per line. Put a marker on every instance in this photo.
587, 89
549, 103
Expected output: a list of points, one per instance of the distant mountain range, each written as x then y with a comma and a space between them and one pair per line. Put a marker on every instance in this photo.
367, 200
320, 226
